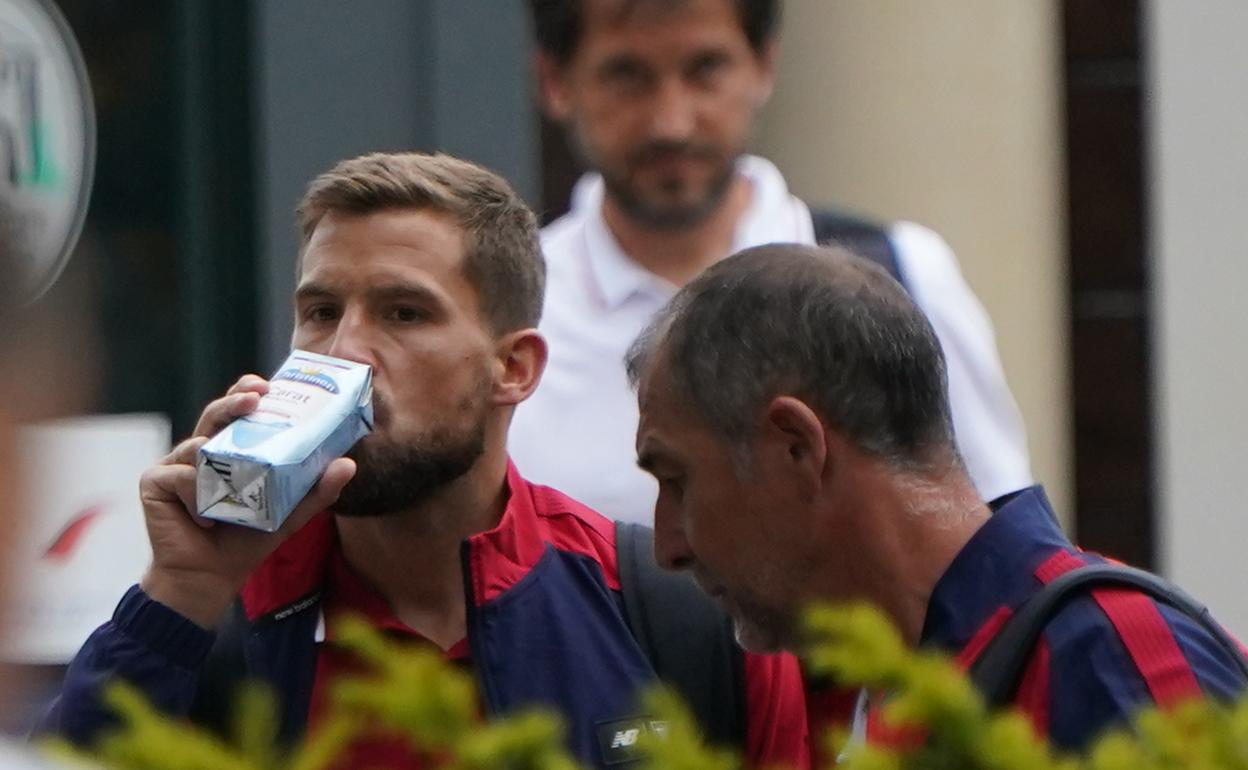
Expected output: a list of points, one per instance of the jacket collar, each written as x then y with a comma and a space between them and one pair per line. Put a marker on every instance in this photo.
994, 569
290, 579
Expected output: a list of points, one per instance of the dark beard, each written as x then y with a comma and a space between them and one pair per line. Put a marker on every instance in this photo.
669, 217
392, 477
656, 215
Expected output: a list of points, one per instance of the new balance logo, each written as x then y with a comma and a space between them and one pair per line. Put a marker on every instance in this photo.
619, 739
625, 738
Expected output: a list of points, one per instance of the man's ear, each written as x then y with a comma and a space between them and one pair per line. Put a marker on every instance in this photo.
800, 442
520, 359
552, 87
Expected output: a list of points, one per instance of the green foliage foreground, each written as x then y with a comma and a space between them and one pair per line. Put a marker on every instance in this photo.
414, 693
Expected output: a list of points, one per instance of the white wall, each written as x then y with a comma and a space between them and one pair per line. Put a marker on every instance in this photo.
947, 114
1198, 128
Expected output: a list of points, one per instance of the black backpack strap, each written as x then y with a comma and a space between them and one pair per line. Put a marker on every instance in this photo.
866, 239
998, 670
688, 639
223, 672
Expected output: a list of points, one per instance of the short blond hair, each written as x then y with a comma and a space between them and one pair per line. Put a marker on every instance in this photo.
502, 255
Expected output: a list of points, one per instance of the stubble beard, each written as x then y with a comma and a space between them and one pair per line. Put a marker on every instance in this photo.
761, 629
654, 211
397, 475
766, 617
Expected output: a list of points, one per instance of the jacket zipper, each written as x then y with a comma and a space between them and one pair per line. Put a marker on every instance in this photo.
485, 688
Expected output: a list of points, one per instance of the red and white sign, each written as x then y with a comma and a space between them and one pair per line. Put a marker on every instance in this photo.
83, 541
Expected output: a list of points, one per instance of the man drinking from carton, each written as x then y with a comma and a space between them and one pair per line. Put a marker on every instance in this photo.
428, 270
257, 470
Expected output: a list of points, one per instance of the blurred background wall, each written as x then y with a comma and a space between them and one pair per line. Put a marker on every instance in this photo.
1199, 206
333, 80
947, 114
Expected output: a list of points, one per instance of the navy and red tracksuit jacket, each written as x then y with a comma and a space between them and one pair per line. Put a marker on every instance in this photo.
1101, 658
545, 628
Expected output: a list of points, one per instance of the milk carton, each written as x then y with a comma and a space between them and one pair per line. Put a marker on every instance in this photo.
258, 469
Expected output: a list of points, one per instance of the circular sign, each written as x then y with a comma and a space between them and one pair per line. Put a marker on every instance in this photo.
47, 143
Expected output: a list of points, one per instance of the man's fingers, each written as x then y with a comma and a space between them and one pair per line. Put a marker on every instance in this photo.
252, 383
335, 477
184, 453
326, 491
172, 485
169, 485
225, 410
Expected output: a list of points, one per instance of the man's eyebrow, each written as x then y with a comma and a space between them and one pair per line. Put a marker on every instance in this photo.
392, 291
313, 291
382, 292
620, 62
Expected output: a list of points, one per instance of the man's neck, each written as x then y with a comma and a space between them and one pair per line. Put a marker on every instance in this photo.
678, 256
413, 557
921, 523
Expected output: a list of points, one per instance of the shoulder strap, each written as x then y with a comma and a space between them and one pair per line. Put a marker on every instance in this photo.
864, 238
997, 672
687, 638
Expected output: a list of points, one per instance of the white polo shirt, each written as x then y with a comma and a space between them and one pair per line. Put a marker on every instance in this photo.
577, 431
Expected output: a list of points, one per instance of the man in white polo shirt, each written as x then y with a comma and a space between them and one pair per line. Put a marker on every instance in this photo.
659, 98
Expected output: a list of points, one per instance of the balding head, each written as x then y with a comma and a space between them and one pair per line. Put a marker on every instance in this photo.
819, 324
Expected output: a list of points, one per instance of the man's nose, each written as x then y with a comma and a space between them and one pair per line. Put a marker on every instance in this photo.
671, 549
674, 112
353, 339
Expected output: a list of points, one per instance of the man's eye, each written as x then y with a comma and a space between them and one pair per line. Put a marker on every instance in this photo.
405, 314
320, 313
707, 67
623, 75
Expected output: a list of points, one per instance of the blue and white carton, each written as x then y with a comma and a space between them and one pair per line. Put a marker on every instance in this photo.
257, 470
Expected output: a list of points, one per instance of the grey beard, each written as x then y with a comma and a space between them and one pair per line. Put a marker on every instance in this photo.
392, 477
770, 631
